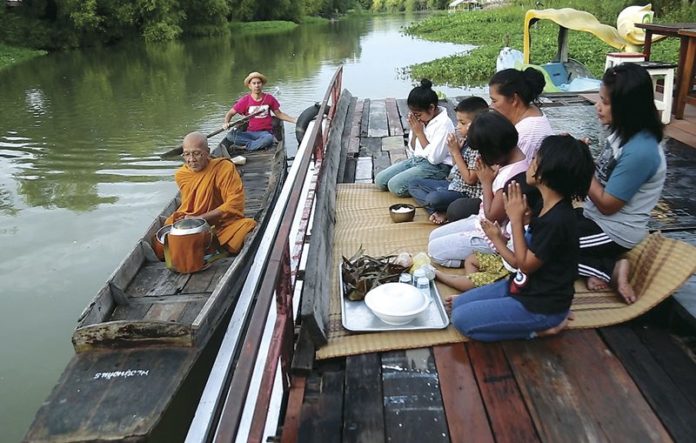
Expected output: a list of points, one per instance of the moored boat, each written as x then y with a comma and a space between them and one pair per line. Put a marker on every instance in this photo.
139, 338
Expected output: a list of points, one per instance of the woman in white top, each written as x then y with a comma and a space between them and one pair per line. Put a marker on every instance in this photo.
427, 142
514, 94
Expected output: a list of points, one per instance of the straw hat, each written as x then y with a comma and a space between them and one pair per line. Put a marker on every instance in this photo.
253, 75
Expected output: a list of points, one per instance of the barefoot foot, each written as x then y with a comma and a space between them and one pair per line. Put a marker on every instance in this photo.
449, 301
438, 218
620, 279
559, 327
596, 284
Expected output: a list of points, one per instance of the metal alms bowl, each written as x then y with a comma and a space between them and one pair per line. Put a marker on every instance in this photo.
396, 303
399, 214
188, 226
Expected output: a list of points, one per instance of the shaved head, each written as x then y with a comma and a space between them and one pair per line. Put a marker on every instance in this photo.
196, 151
196, 140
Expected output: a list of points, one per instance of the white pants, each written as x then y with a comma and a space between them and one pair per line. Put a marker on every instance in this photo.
451, 244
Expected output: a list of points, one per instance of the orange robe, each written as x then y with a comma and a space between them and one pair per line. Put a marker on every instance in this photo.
217, 186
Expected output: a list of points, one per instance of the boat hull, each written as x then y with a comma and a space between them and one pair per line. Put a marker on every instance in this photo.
131, 361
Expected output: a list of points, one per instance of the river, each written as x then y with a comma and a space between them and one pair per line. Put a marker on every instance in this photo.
80, 175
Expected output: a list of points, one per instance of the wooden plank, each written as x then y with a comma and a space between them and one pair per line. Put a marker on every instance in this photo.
128, 268
189, 314
148, 277
377, 126
314, 310
168, 283
116, 334
303, 357
354, 145
393, 119
671, 357
363, 170
381, 162
413, 410
591, 396
165, 311
393, 144
322, 408
205, 281
291, 423
349, 173
370, 146
666, 397
507, 412
99, 309
464, 409
403, 113
345, 138
132, 311
363, 419
677, 132
365, 120
109, 396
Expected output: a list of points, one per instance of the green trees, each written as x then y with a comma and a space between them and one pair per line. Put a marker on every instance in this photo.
52, 24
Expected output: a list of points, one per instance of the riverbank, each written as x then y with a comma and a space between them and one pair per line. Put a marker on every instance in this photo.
10, 55
492, 29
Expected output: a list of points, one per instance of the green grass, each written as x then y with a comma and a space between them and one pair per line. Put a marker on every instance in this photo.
267, 27
491, 30
10, 55
307, 20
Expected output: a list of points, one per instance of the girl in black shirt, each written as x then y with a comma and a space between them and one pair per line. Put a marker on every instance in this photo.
539, 295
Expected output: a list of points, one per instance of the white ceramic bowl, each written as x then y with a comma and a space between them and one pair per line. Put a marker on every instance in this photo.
396, 303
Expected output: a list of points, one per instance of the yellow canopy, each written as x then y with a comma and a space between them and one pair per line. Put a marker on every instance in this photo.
572, 19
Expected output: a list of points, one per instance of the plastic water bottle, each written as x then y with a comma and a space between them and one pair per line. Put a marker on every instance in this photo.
423, 285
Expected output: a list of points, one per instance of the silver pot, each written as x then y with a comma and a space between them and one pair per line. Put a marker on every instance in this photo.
189, 226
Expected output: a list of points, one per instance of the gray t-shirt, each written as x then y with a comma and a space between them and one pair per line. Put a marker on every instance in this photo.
634, 173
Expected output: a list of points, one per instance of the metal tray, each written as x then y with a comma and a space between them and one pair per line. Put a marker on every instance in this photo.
356, 316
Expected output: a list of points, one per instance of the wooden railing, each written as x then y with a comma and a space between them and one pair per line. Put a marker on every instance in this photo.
219, 416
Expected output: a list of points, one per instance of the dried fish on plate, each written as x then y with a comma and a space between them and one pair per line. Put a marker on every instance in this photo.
361, 273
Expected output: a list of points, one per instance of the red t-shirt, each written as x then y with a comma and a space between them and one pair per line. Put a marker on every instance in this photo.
264, 121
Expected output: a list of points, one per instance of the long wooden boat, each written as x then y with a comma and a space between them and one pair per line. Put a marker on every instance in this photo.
140, 337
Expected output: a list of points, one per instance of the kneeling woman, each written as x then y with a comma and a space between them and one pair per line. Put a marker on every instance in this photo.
539, 296
430, 126
631, 171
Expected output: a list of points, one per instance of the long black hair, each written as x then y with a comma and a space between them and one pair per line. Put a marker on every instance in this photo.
493, 136
527, 84
421, 97
632, 100
565, 165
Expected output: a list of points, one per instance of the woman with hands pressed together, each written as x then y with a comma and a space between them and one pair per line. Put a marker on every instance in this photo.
427, 141
436, 195
536, 300
495, 139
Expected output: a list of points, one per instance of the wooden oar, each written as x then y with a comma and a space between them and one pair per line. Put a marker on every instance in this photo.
180, 149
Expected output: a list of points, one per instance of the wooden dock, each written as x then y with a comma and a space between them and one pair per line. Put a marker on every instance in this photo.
632, 382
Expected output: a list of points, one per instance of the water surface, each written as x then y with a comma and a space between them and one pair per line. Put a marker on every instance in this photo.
80, 176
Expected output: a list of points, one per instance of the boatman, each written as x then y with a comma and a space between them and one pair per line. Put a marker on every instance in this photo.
259, 133
212, 189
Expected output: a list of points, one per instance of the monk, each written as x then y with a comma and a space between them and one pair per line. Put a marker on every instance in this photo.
212, 189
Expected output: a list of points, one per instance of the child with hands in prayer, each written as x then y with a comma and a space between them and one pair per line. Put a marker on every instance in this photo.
536, 300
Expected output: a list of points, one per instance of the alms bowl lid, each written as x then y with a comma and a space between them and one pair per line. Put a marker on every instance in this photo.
396, 299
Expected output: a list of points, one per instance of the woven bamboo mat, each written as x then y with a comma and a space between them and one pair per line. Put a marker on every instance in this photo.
659, 267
